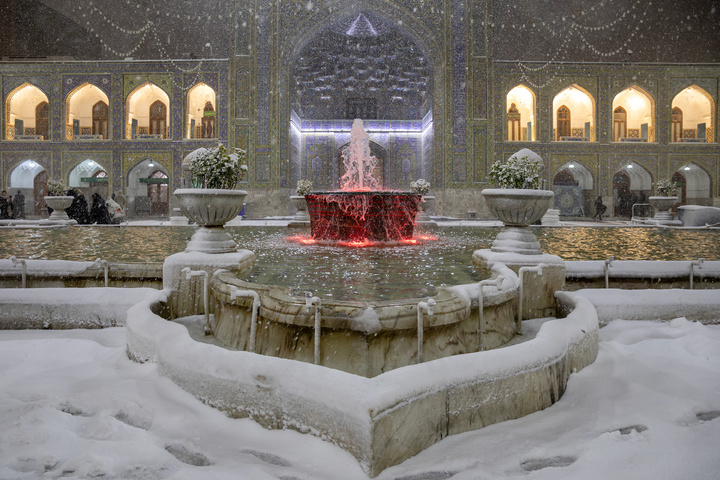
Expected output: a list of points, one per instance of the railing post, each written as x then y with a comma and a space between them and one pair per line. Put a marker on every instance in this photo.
234, 293
21, 261
309, 302
694, 263
608, 264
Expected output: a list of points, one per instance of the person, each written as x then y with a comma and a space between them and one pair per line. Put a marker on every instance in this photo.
19, 205
115, 210
78, 209
599, 208
98, 210
4, 205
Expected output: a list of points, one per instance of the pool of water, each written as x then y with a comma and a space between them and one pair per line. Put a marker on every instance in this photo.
369, 273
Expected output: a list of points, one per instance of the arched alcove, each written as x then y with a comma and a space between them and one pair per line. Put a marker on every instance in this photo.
147, 192
27, 114
693, 116
574, 115
395, 100
520, 109
200, 116
632, 184
633, 118
87, 114
693, 185
90, 177
147, 113
574, 189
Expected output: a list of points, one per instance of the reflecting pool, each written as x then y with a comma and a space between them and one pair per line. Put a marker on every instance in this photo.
368, 273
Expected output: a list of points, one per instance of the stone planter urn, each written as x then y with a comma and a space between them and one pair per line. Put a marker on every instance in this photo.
517, 209
662, 206
58, 204
301, 216
210, 208
425, 204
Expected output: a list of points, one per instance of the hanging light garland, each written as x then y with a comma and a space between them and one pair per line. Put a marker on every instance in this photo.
577, 30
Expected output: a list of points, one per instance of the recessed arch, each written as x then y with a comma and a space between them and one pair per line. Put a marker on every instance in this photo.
200, 121
638, 107
693, 184
576, 122
87, 113
27, 114
147, 191
696, 120
632, 184
147, 112
405, 22
521, 116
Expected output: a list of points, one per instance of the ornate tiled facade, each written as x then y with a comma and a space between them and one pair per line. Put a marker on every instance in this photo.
460, 133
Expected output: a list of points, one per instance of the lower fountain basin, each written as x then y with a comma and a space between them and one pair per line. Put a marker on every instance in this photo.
375, 216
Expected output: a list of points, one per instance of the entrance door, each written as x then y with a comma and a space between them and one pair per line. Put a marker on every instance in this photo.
158, 194
622, 195
100, 119
677, 121
42, 116
619, 124
563, 123
679, 180
158, 118
39, 192
208, 121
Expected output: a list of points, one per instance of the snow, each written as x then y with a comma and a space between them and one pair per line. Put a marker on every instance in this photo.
73, 405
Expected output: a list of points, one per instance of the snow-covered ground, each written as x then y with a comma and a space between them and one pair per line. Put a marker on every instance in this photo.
72, 405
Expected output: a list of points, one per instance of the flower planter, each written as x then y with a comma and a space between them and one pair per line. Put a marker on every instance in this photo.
58, 204
210, 208
517, 209
662, 206
301, 216
425, 204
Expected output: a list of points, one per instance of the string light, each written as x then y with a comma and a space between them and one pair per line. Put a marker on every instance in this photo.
576, 30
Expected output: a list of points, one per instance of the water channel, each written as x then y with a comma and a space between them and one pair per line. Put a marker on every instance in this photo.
369, 273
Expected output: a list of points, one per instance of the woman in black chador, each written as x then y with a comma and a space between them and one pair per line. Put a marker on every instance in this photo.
98, 211
78, 209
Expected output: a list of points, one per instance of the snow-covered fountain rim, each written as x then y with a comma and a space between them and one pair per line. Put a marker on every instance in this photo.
155, 339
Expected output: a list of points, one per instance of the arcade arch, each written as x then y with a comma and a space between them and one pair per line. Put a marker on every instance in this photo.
520, 108
574, 115
90, 177
631, 184
633, 116
147, 112
87, 113
573, 185
693, 116
30, 178
201, 109
147, 192
27, 114
693, 185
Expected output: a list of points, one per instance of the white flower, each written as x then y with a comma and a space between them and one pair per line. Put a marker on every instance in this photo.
420, 186
216, 168
516, 173
303, 187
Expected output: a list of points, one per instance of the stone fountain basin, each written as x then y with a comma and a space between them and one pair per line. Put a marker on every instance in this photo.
363, 338
382, 420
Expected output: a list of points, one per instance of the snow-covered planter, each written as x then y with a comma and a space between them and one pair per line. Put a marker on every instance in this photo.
213, 201
57, 200
517, 203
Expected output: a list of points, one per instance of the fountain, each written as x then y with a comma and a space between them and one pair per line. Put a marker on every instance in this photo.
361, 211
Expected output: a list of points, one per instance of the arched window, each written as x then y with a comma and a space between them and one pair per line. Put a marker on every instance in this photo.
677, 124
563, 122
100, 119
158, 117
513, 123
42, 117
619, 124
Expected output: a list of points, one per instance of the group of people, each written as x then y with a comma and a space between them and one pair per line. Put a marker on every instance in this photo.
100, 212
12, 207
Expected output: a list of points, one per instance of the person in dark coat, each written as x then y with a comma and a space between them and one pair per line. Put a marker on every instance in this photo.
4, 205
98, 210
599, 208
78, 209
19, 205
